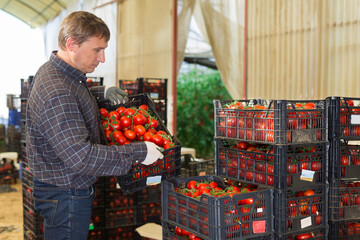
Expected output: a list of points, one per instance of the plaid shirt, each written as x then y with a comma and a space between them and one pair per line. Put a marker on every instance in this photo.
63, 139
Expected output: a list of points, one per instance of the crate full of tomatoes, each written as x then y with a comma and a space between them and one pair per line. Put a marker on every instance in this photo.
214, 209
344, 118
276, 122
280, 166
301, 209
344, 160
345, 230
137, 120
344, 200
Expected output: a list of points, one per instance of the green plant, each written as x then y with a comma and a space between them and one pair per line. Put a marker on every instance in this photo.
196, 91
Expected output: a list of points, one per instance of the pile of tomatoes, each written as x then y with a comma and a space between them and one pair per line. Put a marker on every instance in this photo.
349, 155
305, 203
126, 125
254, 162
256, 123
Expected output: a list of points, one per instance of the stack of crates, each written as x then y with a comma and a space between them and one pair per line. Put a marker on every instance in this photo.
283, 145
155, 87
246, 214
344, 168
116, 215
32, 220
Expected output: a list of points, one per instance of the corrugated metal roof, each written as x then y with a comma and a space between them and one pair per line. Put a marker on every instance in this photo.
34, 12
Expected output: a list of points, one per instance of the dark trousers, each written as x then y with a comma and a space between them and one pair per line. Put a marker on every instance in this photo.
66, 212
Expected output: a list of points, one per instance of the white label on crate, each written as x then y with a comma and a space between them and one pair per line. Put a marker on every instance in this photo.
355, 119
307, 175
259, 210
117, 186
153, 180
305, 222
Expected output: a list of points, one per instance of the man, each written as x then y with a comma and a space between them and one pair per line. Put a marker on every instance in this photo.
63, 131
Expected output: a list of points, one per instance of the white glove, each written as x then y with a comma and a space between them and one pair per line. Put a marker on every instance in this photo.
116, 95
153, 153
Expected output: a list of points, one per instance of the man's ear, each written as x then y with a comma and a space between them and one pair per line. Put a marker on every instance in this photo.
71, 45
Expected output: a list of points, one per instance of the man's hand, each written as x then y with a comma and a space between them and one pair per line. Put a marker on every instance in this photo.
153, 153
116, 95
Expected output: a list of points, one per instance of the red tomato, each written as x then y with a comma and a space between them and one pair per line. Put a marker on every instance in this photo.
154, 123
125, 122
131, 135
129, 112
178, 231
103, 112
121, 110
139, 119
139, 130
114, 115
117, 134
191, 184
304, 236
116, 125
144, 107
106, 126
147, 136
213, 185
157, 139
121, 140
242, 145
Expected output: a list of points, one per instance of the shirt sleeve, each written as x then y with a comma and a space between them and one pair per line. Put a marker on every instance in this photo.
64, 128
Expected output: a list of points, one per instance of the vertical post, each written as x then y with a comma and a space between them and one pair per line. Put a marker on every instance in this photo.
245, 54
174, 65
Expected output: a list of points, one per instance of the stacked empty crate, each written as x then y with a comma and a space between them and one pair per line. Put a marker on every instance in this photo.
344, 168
155, 87
281, 144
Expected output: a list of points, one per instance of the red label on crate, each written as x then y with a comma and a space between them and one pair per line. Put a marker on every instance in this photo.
259, 226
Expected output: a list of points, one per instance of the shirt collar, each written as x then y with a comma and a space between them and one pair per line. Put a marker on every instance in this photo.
66, 68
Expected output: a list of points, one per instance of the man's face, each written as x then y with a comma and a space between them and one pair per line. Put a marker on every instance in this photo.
89, 54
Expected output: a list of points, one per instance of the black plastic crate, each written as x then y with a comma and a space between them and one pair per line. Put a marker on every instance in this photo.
94, 81
151, 194
29, 234
191, 167
120, 217
344, 118
279, 166
312, 233
221, 217
130, 86
115, 198
25, 87
98, 218
276, 122
149, 212
344, 160
155, 87
27, 177
344, 230
97, 233
301, 209
120, 233
28, 199
33, 222
344, 200
168, 167
169, 233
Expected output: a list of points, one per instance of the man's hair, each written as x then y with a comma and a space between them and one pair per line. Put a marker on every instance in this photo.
81, 26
